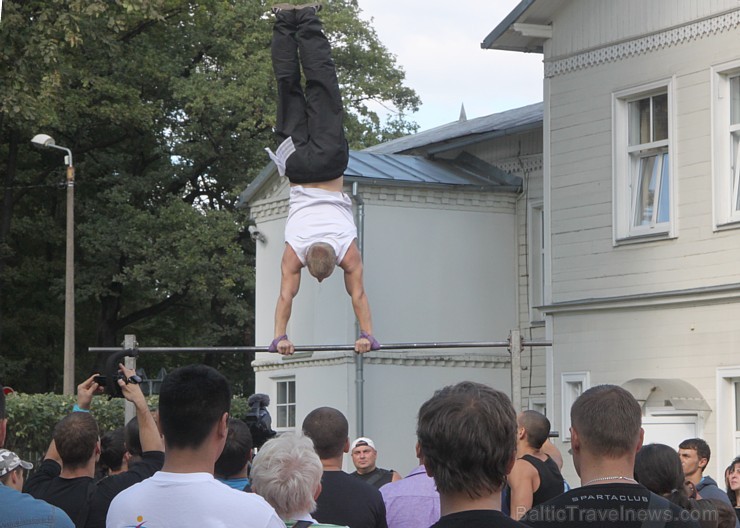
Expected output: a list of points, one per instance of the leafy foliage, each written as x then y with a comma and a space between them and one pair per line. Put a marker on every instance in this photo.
166, 106
32, 417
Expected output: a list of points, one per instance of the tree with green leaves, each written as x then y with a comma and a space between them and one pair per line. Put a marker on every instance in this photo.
167, 106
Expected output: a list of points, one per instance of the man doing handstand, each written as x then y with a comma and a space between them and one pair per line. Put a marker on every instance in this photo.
320, 231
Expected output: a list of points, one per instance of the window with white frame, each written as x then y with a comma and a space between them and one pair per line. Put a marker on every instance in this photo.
286, 404
726, 143
572, 385
644, 178
536, 261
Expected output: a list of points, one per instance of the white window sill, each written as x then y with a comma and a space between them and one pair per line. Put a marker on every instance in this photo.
644, 238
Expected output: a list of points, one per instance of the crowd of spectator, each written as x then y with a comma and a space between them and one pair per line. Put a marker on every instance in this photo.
480, 465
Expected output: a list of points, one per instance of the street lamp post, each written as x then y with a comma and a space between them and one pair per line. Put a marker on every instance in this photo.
69, 275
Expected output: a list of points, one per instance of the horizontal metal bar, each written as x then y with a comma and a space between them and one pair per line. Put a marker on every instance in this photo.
328, 348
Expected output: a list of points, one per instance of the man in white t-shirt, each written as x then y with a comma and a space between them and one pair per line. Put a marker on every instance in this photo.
194, 407
320, 232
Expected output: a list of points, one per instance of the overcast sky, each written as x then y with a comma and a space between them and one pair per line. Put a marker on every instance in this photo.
438, 46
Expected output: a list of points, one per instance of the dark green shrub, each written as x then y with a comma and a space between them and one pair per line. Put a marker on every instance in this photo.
32, 417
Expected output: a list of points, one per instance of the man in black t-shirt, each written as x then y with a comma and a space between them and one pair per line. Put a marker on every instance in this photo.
467, 442
606, 434
65, 477
144, 454
344, 500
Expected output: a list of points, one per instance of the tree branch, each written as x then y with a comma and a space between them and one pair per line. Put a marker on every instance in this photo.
150, 311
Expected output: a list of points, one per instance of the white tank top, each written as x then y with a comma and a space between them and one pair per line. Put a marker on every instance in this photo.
317, 215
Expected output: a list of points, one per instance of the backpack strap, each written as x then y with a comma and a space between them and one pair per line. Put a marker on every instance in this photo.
302, 524
375, 478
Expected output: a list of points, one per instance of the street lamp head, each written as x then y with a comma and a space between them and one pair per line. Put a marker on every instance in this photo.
46, 141
43, 140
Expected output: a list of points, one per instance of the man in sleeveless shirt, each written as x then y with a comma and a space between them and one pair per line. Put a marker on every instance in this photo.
364, 457
535, 477
320, 232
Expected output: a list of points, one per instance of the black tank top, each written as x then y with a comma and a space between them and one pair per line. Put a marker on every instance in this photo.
551, 481
377, 477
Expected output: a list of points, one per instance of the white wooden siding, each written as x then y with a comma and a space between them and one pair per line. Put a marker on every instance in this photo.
585, 24
584, 262
682, 342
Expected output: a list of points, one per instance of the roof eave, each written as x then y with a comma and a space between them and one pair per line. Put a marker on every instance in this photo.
375, 182
505, 25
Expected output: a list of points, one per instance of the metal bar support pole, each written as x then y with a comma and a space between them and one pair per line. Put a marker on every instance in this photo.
359, 358
515, 339
331, 348
129, 343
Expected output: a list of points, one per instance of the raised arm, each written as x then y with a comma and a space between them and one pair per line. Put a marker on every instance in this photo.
553, 452
290, 282
149, 435
353, 282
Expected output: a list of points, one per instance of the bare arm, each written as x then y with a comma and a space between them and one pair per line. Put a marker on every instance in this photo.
290, 282
353, 282
522, 486
53, 454
551, 449
148, 431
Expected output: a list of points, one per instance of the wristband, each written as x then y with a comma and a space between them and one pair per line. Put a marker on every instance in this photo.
374, 345
77, 408
274, 344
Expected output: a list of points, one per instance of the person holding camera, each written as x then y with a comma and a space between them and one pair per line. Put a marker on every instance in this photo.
65, 477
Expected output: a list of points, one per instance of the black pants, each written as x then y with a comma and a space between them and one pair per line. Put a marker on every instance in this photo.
312, 119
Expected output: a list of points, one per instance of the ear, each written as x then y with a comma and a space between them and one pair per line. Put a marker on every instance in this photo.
641, 440
3, 430
16, 477
703, 463
222, 428
418, 451
521, 433
575, 440
317, 492
346, 445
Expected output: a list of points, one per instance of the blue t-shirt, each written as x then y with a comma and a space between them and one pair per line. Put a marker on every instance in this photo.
236, 483
20, 509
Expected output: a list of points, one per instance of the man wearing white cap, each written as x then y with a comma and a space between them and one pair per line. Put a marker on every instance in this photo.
364, 455
11, 469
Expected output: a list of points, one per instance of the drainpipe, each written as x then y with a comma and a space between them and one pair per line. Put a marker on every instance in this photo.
359, 360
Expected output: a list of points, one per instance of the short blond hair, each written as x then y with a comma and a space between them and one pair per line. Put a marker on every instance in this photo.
320, 260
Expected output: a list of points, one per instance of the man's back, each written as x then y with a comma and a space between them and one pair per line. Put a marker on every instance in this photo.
412, 502
346, 500
69, 494
189, 499
608, 505
21, 509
